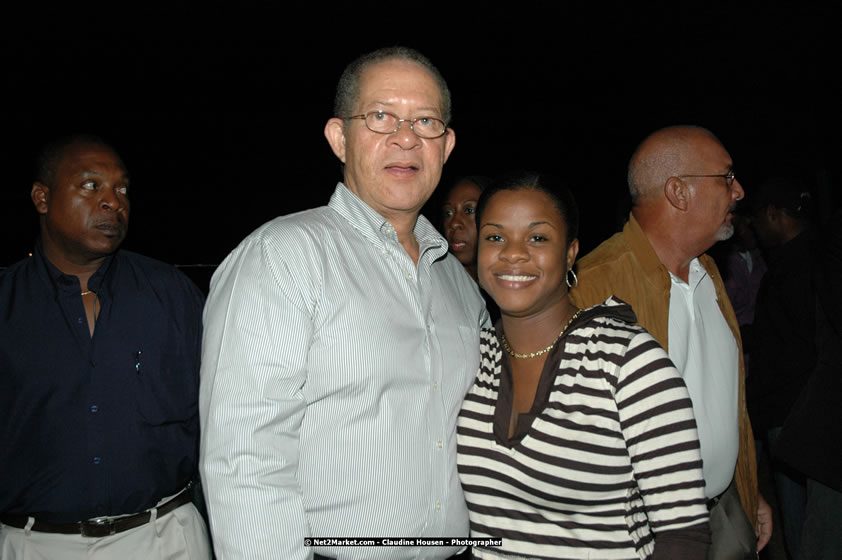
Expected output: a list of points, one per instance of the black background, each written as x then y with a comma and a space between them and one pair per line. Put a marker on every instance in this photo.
222, 131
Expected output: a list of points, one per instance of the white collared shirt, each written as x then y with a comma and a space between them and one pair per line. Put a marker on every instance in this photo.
703, 349
333, 370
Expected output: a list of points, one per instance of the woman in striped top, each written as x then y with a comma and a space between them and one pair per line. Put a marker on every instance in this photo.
577, 439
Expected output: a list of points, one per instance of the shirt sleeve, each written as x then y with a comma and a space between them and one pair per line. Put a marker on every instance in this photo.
656, 417
258, 327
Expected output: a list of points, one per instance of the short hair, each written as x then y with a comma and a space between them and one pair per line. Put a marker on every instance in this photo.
481, 181
48, 158
662, 154
550, 185
348, 88
788, 194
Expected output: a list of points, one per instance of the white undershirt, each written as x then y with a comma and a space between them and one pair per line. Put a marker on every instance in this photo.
704, 350
746, 255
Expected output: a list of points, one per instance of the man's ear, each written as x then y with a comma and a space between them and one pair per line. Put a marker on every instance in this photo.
40, 197
449, 143
335, 134
677, 193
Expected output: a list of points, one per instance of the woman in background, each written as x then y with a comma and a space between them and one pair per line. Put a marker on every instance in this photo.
577, 439
459, 222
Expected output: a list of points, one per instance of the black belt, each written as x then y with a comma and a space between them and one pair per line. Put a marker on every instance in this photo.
100, 526
713, 502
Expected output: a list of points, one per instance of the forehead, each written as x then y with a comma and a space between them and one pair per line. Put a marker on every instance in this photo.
78, 158
524, 206
466, 190
396, 83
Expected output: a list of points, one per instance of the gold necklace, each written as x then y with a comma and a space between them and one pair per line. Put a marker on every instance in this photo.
96, 298
540, 352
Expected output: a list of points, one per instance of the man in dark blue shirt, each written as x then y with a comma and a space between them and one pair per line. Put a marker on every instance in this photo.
99, 376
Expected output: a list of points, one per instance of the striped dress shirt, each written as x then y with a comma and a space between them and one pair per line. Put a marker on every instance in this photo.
333, 370
607, 459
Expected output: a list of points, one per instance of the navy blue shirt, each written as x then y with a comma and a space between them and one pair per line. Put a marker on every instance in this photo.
104, 424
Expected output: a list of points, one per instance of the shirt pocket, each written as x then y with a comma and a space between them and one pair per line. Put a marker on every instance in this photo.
460, 356
167, 389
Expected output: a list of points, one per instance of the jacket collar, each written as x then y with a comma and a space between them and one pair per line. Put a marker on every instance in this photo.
654, 271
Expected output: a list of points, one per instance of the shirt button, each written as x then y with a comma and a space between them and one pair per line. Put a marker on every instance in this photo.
94, 408
438, 506
409, 276
435, 384
438, 444
97, 460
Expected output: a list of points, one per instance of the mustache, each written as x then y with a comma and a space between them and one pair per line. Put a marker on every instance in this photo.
118, 222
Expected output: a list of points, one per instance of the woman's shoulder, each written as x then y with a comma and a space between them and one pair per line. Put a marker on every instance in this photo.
613, 315
608, 334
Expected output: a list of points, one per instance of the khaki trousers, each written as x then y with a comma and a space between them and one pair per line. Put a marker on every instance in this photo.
179, 535
732, 535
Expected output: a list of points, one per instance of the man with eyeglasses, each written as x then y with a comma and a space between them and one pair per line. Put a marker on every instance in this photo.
684, 193
340, 342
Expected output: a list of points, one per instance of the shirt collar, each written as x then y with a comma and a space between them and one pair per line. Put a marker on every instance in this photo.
655, 272
377, 229
695, 275
68, 283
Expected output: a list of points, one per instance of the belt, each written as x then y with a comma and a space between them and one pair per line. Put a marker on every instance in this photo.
99, 526
713, 502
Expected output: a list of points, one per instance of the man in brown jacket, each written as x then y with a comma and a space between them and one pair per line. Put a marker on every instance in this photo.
684, 192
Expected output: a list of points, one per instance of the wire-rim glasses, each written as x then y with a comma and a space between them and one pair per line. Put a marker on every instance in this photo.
729, 177
382, 122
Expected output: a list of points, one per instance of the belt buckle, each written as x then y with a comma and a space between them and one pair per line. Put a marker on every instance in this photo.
96, 525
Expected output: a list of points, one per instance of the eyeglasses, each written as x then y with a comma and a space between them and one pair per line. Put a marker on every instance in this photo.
729, 177
382, 122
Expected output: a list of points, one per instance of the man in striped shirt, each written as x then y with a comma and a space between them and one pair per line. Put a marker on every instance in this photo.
684, 193
339, 343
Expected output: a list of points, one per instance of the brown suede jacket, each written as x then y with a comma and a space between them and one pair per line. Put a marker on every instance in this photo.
626, 266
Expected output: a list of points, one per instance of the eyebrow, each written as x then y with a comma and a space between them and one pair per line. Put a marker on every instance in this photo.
88, 172
534, 224
425, 111
531, 225
462, 201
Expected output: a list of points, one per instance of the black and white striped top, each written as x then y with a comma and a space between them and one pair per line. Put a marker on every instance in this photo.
607, 460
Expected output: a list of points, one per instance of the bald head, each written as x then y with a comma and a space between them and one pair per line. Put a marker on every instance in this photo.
684, 192
665, 153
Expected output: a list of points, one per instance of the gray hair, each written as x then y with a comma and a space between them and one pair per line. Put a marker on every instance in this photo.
348, 88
